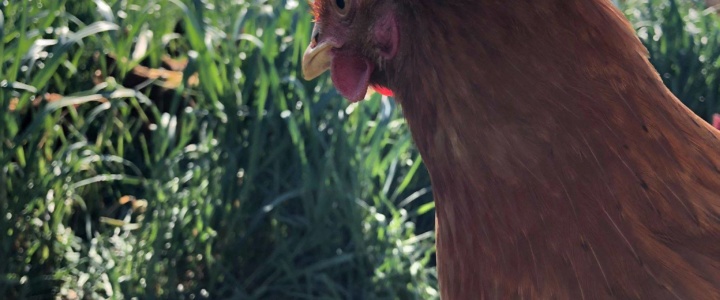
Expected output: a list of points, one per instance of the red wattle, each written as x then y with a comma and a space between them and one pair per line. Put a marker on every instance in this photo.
350, 74
383, 90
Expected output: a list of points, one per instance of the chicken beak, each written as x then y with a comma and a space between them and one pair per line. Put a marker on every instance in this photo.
316, 60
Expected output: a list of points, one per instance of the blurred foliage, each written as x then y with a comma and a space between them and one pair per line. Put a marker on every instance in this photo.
168, 149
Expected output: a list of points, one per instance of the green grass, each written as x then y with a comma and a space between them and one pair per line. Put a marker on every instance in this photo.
252, 183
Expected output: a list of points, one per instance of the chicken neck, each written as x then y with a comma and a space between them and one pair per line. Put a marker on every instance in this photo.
560, 163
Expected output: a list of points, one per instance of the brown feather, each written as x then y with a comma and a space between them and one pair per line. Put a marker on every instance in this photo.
561, 165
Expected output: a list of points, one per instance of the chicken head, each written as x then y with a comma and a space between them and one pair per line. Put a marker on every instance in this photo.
355, 40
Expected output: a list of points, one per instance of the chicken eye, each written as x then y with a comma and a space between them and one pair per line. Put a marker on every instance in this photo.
342, 6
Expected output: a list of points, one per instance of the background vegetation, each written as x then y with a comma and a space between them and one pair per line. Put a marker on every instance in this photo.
168, 149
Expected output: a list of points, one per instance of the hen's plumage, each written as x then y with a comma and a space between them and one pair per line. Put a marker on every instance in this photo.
561, 165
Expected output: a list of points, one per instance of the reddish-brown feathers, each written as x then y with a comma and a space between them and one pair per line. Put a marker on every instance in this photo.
315, 7
318, 8
562, 167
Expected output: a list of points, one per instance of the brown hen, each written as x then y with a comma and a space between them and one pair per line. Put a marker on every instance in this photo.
562, 167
